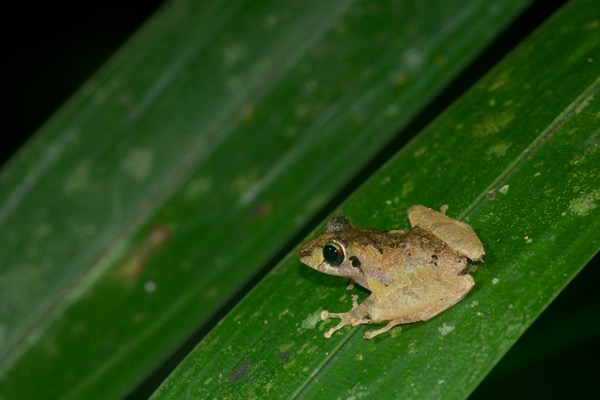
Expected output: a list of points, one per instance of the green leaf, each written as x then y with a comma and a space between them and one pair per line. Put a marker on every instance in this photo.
190, 162
564, 335
517, 158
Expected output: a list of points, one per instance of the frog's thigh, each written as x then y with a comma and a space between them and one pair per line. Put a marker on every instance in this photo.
420, 300
456, 234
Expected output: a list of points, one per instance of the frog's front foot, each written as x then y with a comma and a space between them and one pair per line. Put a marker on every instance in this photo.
348, 318
345, 320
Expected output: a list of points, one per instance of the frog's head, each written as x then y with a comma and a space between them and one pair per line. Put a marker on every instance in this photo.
332, 252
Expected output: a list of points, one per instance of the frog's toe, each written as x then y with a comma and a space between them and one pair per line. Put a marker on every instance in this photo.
354, 302
336, 328
326, 315
360, 321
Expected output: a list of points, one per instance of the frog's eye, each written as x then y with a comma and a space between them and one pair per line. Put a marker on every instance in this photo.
333, 254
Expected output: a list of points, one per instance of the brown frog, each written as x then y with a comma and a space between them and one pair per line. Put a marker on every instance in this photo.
412, 276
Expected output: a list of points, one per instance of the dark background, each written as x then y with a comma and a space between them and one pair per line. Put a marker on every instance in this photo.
51, 48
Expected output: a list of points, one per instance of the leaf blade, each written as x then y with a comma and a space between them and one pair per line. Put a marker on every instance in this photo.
548, 144
117, 269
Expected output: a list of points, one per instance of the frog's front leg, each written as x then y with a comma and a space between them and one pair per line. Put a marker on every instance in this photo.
356, 316
350, 285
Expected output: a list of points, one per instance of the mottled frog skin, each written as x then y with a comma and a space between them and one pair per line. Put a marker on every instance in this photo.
412, 276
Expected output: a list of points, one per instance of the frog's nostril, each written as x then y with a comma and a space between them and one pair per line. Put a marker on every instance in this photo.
304, 252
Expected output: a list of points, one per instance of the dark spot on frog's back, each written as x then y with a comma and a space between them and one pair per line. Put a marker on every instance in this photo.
377, 246
241, 371
434, 260
379, 249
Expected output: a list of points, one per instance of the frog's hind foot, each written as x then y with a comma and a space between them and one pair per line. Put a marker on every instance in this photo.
390, 325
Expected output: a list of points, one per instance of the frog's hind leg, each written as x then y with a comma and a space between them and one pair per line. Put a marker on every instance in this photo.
419, 301
390, 325
458, 235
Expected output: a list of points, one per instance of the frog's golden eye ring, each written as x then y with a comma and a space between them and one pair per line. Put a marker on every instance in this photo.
333, 254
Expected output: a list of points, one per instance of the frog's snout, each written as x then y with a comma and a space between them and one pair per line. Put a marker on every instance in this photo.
304, 252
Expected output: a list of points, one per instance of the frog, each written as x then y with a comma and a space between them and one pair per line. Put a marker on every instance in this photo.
412, 275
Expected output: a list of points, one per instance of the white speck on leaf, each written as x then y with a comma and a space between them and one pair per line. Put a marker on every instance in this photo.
271, 20
392, 110
493, 124
584, 204
412, 347
413, 58
446, 329
312, 320
407, 188
357, 392
78, 179
198, 187
504, 189
41, 231
232, 54
498, 149
420, 152
150, 286
138, 163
